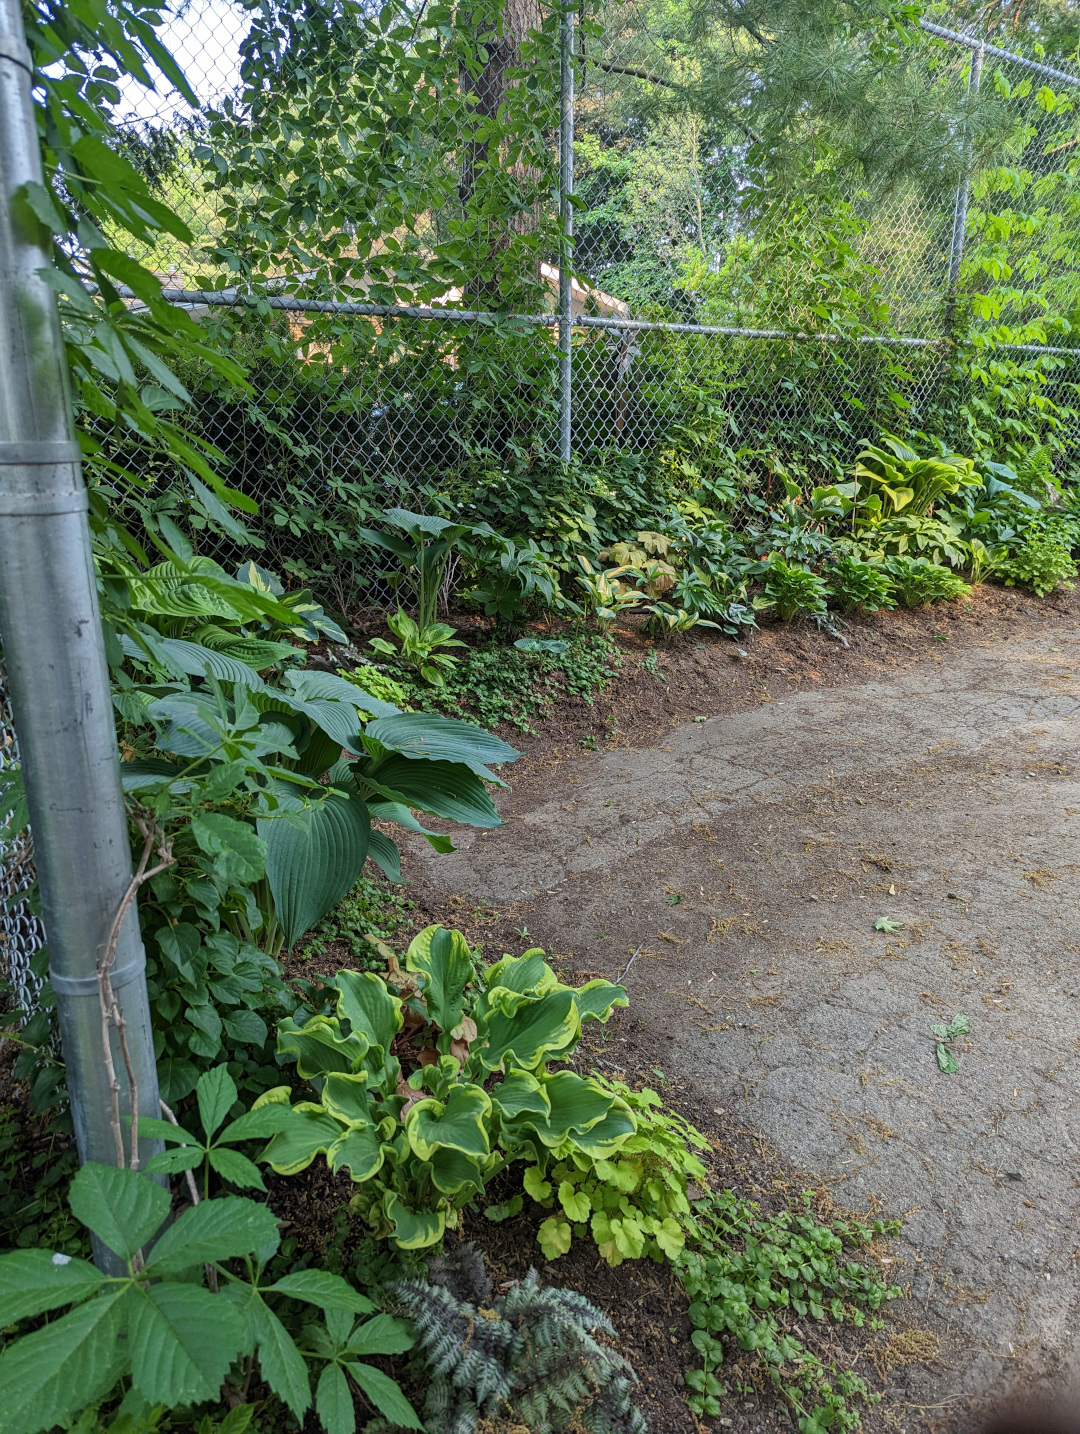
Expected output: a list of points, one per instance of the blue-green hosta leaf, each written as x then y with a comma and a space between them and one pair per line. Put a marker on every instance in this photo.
334, 1401
281, 1362
308, 683
366, 1003
384, 853
321, 1288
310, 871
443, 958
32, 1281
540, 1028
319, 1047
420, 735
386, 1396
413, 1229
182, 1341
193, 660
339, 720
597, 999
71, 1363
121, 1207
359, 1151
215, 1092
400, 815
310, 1132
445, 789
460, 1123
220, 1229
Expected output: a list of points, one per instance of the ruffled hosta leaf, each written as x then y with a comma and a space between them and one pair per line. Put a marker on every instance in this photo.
452, 1171
215, 1230
366, 1003
537, 1029
182, 1341
521, 1094
326, 1291
32, 1281
529, 974
310, 1132
358, 1151
346, 1096
310, 870
444, 959
445, 789
72, 1362
319, 1047
597, 999
460, 1123
607, 1136
121, 1207
413, 1229
420, 735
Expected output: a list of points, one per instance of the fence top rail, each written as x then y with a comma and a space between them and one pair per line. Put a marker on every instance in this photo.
231, 298
972, 42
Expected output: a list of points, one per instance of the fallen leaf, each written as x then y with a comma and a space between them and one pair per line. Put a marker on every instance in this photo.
883, 923
666, 936
946, 1060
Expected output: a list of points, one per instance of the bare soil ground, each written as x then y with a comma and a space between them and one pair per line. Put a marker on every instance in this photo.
926, 773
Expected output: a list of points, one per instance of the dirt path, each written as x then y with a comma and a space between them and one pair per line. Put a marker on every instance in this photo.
746, 862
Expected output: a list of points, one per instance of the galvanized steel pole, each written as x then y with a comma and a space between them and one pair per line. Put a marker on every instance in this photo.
566, 214
55, 656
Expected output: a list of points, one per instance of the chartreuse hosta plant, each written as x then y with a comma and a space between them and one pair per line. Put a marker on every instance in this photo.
156, 1337
431, 1081
633, 1202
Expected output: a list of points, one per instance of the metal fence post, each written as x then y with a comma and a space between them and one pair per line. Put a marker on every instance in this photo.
55, 656
566, 215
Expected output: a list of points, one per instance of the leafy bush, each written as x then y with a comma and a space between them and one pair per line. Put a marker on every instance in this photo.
419, 646
1041, 563
421, 1143
855, 583
634, 1204
374, 682
530, 1356
918, 582
157, 1331
745, 1271
793, 591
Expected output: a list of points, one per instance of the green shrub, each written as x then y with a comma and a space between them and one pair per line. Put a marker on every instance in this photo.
918, 582
530, 1356
1041, 563
423, 1141
794, 591
855, 583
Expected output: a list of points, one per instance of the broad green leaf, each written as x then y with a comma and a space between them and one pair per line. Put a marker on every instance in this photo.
321, 1288
452, 1171
281, 1362
366, 1003
310, 1132
173, 1162
597, 999
334, 1401
309, 684
258, 1124
380, 1335
445, 789
163, 1130
400, 815
32, 1281
182, 1341
946, 1060
247, 1027
444, 959
540, 1028
577, 1103
460, 1123
575, 1203
215, 1092
607, 1136
122, 1207
386, 856
529, 974
310, 871
521, 1094
535, 1184
554, 1237
885, 923
73, 1361
215, 1230
346, 1097
421, 735
413, 1229
670, 1238
193, 659
237, 1169
318, 1046
385, 1394
219, 835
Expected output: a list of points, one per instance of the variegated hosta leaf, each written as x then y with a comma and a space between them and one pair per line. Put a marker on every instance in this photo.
528, 973
443, 958
309, 1132
597, 999
459, 1124
366, 1003
318, 1046
359, 1151
345, 1095
521, 1094
543, 1027
412, 1229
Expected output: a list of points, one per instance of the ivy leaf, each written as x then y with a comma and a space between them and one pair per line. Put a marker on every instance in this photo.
182, 1341
884, 923
121, 1207
554, 1237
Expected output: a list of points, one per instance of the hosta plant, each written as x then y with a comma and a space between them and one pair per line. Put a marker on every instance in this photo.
634, 1203
894, 479
793, 591
156, 1336
855, 583
918, 582
420, 646
433, 1079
